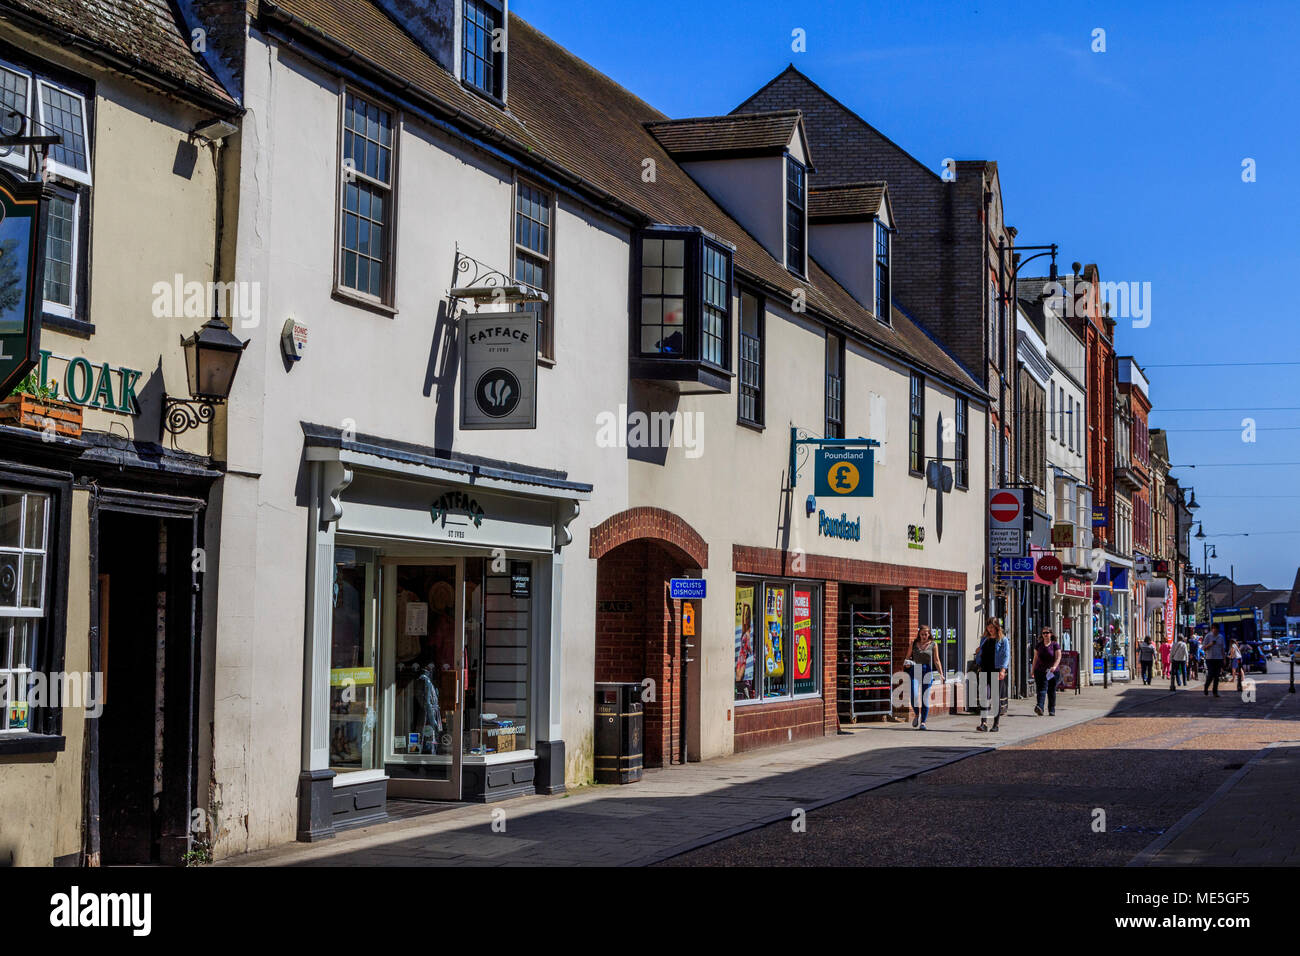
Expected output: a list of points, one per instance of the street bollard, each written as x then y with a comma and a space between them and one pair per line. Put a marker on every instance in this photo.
1292, 687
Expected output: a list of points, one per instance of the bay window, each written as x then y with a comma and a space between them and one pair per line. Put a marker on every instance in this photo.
681, 314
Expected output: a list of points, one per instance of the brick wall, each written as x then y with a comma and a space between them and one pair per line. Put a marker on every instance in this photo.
636, 638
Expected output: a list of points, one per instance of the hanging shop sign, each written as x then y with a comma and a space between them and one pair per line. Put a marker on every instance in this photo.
841, 527
1073, 588
1101, 516
844, 472
1009, 519
22, 277
687, 589
1049, 568
498, 381
91, 384
1063, 535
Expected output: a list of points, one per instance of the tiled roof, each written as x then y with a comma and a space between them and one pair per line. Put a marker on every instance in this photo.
135, 34
845, 201
738, 134
563, 111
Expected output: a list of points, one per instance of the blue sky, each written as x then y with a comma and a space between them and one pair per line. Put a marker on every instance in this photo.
1131, 158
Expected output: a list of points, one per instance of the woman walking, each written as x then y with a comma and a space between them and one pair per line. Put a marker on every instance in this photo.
1234, 662
925, 669
991, 657
1047, 669
1147, 657
1165, 650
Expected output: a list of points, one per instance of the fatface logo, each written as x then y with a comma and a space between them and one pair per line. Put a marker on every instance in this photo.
497, 392
452, 502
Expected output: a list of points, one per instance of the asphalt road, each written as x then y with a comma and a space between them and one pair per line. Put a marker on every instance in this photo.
1097, 793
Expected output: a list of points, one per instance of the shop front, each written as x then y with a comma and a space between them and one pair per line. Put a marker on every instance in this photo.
1072, 614
1112, 622
433, 624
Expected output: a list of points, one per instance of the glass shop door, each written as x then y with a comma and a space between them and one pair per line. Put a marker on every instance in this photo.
424, 651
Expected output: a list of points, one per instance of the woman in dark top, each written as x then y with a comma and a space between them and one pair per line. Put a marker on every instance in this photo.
1047, 671
1146, 657
926, 668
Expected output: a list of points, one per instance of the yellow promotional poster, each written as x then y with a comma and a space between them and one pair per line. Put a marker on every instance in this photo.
772, 657
357, 676
744, 643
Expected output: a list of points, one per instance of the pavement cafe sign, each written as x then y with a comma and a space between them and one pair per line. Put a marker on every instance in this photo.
1008, 521
498, 376
840, 472
22, 277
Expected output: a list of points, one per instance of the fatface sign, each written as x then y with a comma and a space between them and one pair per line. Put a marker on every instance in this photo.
498, 381
22, 277
844, 472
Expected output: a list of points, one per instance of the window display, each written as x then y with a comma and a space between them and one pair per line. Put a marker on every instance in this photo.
424, 648
353, 710
497, 655
777, 641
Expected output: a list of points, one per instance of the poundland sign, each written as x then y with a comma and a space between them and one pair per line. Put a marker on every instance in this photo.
841, 527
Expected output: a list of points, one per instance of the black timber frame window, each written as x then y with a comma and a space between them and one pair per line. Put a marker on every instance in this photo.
834, 385
752, 311
963, 443
916, 426
482, 57
534, 219
368, 200
681, 306
796, 216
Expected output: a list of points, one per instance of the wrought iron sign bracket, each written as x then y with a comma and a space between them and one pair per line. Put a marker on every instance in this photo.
796, 443
484, 285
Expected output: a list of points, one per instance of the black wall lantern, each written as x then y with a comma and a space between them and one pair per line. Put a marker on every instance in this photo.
211, 359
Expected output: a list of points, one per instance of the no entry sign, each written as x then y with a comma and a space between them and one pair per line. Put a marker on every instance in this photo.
1004, 507
1007, 521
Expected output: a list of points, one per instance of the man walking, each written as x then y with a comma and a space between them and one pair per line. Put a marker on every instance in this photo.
1214, 653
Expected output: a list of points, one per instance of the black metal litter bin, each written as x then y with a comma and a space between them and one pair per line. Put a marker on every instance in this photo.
619, 734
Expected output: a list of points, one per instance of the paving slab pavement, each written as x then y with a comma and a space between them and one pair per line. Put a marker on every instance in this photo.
676, 809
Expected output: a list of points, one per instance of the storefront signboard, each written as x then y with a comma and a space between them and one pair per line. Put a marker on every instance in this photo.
844, 472
1073, 588
1101, 516
83, 381
802, 635
1063, 535
22, 271
499, 370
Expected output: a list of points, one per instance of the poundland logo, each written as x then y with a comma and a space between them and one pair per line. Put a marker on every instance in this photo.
840, 527
74, 909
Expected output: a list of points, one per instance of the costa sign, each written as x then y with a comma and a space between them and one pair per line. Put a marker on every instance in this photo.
1048, 568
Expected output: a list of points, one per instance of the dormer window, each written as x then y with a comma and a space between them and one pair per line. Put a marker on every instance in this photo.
796, 216
682, 307
882, 272
483, 47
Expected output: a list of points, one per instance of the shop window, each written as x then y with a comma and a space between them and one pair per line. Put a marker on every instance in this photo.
498, 627
24, 534
354, 709
944, 614
778, 640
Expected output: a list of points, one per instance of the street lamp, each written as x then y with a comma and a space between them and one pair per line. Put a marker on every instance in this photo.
211, 359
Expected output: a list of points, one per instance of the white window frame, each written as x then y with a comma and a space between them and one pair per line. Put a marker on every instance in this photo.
17, 156
547, 348
59, 169
386, 301
12, 673
58, 308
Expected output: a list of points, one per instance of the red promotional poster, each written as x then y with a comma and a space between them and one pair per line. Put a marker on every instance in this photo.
802, 635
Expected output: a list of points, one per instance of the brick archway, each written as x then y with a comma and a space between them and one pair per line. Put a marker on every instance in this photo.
656, 524
637, 621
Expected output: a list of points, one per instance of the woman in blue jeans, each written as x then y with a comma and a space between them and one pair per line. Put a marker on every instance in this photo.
1047, 669
925, 669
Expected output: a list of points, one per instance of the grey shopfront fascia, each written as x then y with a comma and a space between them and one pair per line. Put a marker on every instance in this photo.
364, 489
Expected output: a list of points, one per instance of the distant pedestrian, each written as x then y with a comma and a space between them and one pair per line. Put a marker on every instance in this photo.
1234, 661
1194, 656
1146, 657
992, 656
1047, 671
1212, 647
925, 669
1165, 650
1178, 659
